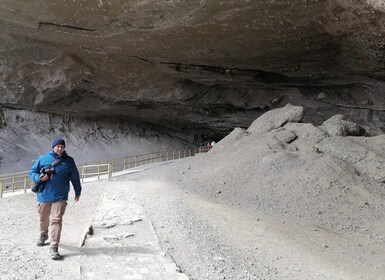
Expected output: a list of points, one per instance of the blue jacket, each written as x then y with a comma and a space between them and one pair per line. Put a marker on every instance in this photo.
58, 186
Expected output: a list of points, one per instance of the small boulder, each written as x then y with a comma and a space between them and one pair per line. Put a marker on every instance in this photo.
337, 126
276, 118
284, 135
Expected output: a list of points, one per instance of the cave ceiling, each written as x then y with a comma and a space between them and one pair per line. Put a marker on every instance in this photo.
217, 64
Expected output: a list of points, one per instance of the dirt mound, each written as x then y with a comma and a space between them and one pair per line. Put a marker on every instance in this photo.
320, 178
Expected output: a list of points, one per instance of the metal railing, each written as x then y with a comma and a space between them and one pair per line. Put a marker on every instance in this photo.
21, 180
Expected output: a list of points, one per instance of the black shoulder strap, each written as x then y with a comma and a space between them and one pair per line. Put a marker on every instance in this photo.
56, 161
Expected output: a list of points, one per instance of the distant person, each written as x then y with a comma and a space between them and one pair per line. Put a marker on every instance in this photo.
208, 146
53, 186
202, 147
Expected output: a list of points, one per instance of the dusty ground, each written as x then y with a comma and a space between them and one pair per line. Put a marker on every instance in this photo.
278, 201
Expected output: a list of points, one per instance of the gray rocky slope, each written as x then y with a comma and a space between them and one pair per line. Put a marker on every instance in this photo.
280, 200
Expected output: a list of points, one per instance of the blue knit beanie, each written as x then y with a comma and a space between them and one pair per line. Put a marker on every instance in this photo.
58, 141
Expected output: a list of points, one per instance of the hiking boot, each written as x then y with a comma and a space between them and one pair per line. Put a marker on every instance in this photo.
42, 239
54, 253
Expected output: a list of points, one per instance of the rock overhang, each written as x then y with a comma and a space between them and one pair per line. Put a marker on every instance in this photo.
215, 64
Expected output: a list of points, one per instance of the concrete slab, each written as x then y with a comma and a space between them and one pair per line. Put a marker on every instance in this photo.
121, 244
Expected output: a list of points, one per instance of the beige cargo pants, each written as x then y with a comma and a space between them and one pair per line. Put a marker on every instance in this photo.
51, 217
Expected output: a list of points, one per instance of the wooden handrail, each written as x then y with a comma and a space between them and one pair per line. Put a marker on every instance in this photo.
20, 180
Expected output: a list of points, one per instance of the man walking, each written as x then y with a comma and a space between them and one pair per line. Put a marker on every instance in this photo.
53, 173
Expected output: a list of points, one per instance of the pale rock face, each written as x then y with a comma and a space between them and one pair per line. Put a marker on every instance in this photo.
212, 64
29, 134
276, 118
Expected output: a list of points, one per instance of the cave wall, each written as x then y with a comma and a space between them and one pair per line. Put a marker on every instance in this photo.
202, 64
27, 134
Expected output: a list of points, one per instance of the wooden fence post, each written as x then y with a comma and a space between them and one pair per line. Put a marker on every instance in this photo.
83, 167
25, 184
109, 171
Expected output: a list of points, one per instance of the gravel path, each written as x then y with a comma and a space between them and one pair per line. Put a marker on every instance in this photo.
208, 239
121, 245
20, 258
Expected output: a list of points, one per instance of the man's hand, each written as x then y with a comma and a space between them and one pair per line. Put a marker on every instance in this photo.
44, 178
77, 197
